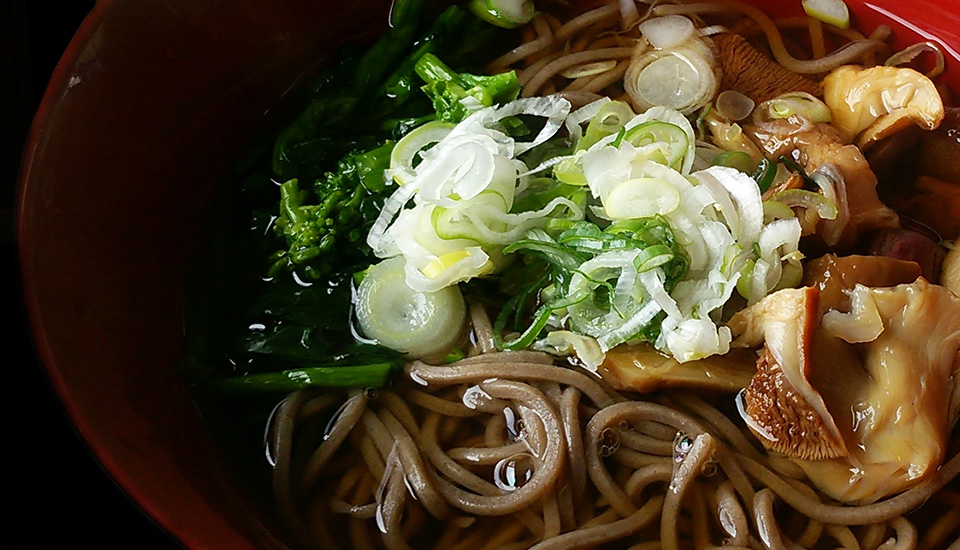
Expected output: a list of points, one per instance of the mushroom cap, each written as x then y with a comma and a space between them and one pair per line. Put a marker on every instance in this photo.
950, 270
871, 104
865, 417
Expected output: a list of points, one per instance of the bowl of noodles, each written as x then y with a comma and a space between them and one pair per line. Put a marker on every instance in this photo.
501, 275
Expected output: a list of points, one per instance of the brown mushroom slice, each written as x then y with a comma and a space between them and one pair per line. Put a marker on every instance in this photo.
836, 276
817, 145
780, 405
898, 417
641, 368
950, 271
750, 72
870, 104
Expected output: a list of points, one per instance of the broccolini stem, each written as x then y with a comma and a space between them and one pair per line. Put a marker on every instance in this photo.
363, 376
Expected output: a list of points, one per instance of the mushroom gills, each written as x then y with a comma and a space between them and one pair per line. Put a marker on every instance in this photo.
898, 423
780, 404
867, 419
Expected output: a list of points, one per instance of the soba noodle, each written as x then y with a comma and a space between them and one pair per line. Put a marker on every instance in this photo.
511, 450
504, 449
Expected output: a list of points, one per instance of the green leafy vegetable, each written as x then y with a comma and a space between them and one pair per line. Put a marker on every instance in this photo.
456, 95
561, 250
281, 333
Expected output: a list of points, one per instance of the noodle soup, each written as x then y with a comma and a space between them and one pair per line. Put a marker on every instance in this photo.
619, 275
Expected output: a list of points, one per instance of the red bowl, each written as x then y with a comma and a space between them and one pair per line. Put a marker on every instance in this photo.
150, 105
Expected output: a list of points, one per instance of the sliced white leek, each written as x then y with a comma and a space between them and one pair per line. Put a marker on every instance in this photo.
681, 78
667, 31
642, 198
401, 318
407, 150
832, 12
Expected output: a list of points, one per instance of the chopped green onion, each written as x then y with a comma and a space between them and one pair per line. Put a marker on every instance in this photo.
653, 257
658, 132
642, 198
404, 155
570, 172
620, 133
796, 103
610, 119
776, 210
825, 208
540, 319
764, 175
736, 159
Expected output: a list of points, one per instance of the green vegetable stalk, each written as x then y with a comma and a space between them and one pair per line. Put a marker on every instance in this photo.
508, 14
456, 95
364, 376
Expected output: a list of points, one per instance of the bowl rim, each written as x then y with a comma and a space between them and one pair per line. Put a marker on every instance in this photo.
38, 335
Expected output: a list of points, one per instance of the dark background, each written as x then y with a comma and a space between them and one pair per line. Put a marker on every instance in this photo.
59, 494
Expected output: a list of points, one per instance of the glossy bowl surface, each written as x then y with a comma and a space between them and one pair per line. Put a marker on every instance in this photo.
150, 105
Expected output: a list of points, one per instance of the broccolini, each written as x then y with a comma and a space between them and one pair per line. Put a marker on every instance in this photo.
332, 215
456, 95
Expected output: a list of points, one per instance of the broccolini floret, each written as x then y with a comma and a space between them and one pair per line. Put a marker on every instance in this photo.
325, 226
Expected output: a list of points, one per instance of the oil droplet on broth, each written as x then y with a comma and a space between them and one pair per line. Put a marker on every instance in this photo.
514, 472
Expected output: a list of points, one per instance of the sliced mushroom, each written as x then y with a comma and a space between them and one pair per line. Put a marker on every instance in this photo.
898, 417
836, 276
750, 72
950, 274
869, 104
641, 368
781, 406
879, 386
817, 145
